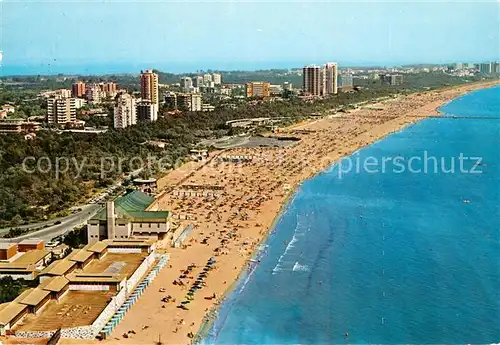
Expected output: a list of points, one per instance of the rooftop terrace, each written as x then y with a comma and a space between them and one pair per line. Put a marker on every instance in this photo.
76, 308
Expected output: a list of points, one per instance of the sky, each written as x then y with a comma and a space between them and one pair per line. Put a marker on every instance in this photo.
235, 34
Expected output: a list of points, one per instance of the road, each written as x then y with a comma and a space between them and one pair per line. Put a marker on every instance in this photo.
66, 224
53, 230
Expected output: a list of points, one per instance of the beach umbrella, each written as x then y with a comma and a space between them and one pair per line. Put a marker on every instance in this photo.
184, 302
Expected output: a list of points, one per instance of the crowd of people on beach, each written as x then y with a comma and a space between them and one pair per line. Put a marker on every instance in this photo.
229, 226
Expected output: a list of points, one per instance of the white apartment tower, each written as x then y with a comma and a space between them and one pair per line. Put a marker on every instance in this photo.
186, 83
198, 81
61, 110
217, 78
207, 78
125, 111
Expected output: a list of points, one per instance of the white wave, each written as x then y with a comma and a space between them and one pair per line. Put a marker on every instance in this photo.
300, 268
298, 232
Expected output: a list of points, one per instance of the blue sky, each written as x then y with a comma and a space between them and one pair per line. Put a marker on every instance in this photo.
215, 34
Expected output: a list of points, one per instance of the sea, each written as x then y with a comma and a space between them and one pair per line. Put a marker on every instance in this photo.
408, 254
117, 68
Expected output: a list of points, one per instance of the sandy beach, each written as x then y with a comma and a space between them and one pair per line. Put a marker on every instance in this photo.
230, 226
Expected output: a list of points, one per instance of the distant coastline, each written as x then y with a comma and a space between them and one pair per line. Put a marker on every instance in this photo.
124, 68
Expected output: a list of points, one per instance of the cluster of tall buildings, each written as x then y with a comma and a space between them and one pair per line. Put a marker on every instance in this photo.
94, 92
320, 80
489, 68
193, 84
129, 110
484, 67
391, 79
186, 101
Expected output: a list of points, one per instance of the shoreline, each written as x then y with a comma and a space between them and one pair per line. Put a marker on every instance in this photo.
253, 201
207, 327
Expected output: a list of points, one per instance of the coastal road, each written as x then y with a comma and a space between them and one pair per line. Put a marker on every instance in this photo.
52, 230
66, 224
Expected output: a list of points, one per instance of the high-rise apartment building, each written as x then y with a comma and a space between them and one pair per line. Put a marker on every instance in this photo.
207, 78
147, 111
61, 110
186, 83
320, 80
198, 81
108, 89
330, 76
345, 82
189, 101
78, 89
495, 67
125, 111
149, 86
217, 78
485, 68
171, 100
93, 93
258, 89
312, 80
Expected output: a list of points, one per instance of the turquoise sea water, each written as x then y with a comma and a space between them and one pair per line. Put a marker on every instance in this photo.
387, 257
